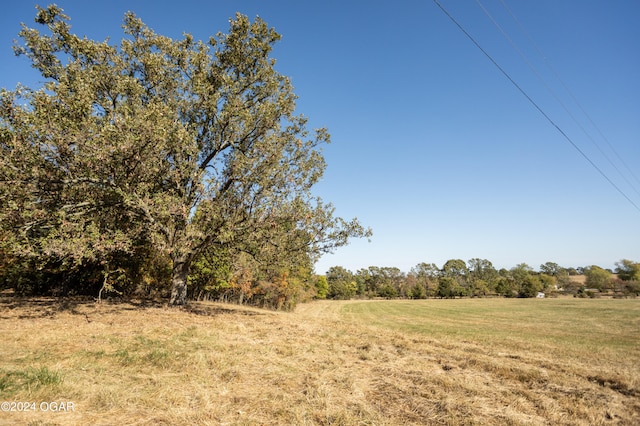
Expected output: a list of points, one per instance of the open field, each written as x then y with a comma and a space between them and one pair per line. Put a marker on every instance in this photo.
470, 361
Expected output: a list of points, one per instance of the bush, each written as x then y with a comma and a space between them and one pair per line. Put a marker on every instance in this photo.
632, 288
418, 292
388, 291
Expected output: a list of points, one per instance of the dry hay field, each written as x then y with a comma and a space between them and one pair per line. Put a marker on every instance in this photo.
430, 362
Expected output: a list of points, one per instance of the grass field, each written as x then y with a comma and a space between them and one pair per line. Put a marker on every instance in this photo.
469, 361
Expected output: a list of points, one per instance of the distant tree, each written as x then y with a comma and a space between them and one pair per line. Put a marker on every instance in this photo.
447, 287
632, 287
522, 267
628, 270
426, 275
481, 269
506, 285
572, 271
482, 277
454, 268
388, 291
368, 283
521, 276
479, 288
364, 283
548, 282
563, 279
530, 286
457, 270
342, 284
417, 290
551, 268
397, 280
378, 280
181, 145
427, 270
598, 278
569, 285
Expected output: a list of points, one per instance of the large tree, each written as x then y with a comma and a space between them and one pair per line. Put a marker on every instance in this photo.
183, 145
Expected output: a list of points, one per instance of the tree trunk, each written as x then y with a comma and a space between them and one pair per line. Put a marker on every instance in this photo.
179, 281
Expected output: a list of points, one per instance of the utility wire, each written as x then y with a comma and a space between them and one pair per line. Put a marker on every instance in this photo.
521, 90
566, 88
554, 94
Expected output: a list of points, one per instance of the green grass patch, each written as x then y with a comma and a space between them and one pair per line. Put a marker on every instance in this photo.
136, 355
152, 350
125, 357
158, 358
28, 379
577, 325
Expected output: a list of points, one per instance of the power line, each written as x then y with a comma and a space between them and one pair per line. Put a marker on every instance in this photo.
540, 110
553, 93
570, 93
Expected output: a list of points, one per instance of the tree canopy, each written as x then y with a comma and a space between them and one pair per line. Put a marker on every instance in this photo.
175, 146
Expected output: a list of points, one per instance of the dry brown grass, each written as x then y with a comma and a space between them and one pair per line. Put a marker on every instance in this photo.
580, 279
212, 364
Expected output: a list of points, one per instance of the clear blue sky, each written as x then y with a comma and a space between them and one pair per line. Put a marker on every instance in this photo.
432, 146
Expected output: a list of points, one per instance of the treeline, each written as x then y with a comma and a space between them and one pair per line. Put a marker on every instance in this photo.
479, 278
263, 279
275, 281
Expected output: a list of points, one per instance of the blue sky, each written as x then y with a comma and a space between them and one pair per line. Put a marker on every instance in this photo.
432, 146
